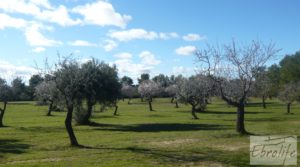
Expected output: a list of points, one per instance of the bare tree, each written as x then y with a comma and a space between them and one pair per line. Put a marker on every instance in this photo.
46, 91
6, 94
289, 94
148, 89
233, 69
262, 86
128, 91
194, 91
172, 91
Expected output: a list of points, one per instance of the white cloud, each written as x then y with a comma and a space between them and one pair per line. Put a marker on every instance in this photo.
109, 45
139, 33
38, 49
36, 38
132, 34
148, 58
82, 43
186, 50
186, 71
124, 55
41, 10
168, 35
20, 6
127, 67
9, 71
32, 30
42, 3
102, 13
7, 21
193, 37
59, 16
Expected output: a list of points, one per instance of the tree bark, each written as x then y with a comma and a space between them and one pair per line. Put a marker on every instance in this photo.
264, 102
194, 112
50, 108
2, 111
288, 108
116, 109
150, 105
68, 124
240, 127
176, 104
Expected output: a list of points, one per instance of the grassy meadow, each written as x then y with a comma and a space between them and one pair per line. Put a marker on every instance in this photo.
137, 137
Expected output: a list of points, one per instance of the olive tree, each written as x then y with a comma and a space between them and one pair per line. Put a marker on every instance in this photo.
233, 69
5, 95
128, 91
194, 91
69, 83
148, 89
100, 84
46, 91
289, 94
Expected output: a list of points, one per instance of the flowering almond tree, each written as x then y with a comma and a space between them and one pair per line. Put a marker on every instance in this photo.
233, 68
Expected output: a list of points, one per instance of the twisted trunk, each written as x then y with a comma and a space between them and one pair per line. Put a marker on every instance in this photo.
2, 111
87, 116
240, 127
264, 102
150, 105
194, 112
116, 109
288, 108
50, 108
172, 100
68, 124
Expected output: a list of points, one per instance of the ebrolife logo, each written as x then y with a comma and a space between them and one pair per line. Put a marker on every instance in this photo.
273, 150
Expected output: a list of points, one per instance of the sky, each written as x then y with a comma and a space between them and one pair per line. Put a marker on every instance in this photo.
138, 36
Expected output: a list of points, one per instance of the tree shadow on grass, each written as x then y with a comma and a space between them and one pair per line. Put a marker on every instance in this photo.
12, 146
159, 127
232, 112
259, 104
186, 157
21, 103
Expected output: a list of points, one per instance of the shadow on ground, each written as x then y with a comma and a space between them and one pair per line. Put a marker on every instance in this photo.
232, 112
12, 146
158, 127
186, 157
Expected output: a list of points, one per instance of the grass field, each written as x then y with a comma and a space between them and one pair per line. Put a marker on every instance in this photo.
138, 137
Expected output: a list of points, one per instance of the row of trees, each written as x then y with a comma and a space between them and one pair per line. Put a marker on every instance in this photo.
232, 72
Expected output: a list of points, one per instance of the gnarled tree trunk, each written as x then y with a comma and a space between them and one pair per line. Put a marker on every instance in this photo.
288, 108
176, 104
50, 108
194, 112
172, 100
2, 111
150, 105
240, 127
264, 101
116, 109
68, 124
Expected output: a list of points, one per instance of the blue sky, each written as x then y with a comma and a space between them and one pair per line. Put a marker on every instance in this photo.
152, 36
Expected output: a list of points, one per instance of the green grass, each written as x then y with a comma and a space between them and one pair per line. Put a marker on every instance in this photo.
138, 137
